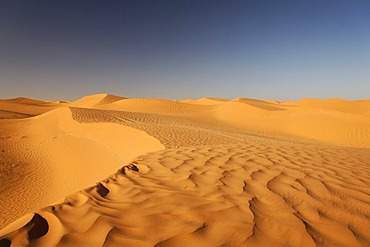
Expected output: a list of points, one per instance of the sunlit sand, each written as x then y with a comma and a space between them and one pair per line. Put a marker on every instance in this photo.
111, 171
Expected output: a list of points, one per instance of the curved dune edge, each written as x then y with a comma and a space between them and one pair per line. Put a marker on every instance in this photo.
53, 156
95, 100
333, 121
242, 172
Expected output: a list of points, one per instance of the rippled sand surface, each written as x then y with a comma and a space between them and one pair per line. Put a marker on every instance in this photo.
208, 172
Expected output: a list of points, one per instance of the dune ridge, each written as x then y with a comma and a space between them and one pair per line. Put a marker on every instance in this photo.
49, 156
95, 100
208, 172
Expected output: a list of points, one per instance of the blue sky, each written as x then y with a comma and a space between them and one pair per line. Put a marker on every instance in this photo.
176, 49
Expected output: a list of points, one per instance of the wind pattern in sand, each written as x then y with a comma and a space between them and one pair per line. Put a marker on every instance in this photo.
208, 172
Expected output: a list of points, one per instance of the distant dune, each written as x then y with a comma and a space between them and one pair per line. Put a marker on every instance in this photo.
111, 171
96, 100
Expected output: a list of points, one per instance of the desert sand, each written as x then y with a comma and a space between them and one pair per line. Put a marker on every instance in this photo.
111, 171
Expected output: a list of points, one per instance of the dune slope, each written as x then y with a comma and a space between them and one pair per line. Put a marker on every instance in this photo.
228, 173
49, 156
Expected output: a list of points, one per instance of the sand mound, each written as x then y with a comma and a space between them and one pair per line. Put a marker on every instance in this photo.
28, 101
346, 124
242, 172
49, 156
204, 101
155, 106
340, 105
323, 124
95, 100
261, 104
24, 107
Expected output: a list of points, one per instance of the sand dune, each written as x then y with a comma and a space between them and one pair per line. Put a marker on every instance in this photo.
49, 156
206, 172
24, 107
334, 121
155, 106
204, 101
95, 100
323, 124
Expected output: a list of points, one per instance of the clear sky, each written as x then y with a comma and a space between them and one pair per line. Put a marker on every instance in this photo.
177, 49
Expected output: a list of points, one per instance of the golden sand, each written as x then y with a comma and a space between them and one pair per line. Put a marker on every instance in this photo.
207, 172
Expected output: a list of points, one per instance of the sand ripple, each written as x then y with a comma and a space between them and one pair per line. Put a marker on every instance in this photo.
239, 195
208, 180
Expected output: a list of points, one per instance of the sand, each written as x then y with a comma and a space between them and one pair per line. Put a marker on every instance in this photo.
110, 171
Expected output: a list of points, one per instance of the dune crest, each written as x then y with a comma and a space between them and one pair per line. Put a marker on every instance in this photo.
51, 155
95, 100
208, 172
